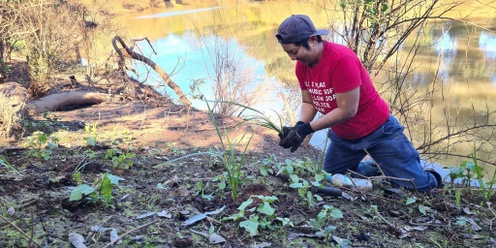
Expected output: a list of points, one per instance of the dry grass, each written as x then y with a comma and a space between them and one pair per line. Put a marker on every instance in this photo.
9, 115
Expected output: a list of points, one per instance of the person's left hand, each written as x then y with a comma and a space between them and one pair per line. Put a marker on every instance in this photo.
295, 136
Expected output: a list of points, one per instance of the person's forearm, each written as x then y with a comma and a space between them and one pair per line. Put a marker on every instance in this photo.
332, 118
307, 112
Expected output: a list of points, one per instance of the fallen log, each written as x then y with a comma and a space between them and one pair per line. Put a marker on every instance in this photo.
54, 102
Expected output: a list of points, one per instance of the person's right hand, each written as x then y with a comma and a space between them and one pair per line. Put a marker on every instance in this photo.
286, 130
296, 135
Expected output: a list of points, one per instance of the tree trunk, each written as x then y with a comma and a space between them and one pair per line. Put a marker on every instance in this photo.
168, 4
2, 64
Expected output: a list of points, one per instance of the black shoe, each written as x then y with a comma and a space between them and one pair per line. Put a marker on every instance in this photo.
438, 177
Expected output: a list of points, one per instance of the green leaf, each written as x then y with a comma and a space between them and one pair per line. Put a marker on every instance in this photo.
266, 209
294, 178
285, 221
245, 204
421, 209
319, 177
316, 184
321, 216
264, 172
320, 234
113, 179
461, 221
106, 188
250, 225
385, 7
296, 185
42, 138
329, 229
336, 213
222, 185
315, 224
411, 200
269, 199
78, 192
91, 141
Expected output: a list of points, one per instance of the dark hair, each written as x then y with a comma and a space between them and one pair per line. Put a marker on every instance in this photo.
305, 44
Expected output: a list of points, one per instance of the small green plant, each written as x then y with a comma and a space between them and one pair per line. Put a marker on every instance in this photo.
304, 186
267, 165
40, 145
50, 123
120, 160
51, 117
99, 192
321, 222
263, 215
200, 190
295, 166
6, 164
119, 138
175, 149
468, 171
91, 129
254, 116
296, 170
420, 207
231, 161
76, 176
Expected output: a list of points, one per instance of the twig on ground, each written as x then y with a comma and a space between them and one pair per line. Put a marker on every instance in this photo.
384, 219
28, 203
375, 162
32, 228
384, 175
128, 232
20, 231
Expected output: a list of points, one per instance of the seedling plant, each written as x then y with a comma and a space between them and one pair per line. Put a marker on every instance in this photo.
470, 171
120, 160
322, 226
40, 145
231, 161
99, 192
262, 215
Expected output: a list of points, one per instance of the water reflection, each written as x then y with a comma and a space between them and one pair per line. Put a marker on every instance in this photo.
487, 43
182, 12
202, 58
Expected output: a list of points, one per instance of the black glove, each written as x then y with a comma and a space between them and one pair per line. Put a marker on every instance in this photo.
286, 130
296, 135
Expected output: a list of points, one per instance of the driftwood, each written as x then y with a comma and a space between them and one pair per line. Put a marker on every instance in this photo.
56, 101
129, 53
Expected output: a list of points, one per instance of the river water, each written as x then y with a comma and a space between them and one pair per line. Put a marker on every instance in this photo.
190, 41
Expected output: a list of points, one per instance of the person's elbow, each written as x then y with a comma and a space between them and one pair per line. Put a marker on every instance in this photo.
349, 113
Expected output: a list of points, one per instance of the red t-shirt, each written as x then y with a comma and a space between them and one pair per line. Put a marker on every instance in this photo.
339, 70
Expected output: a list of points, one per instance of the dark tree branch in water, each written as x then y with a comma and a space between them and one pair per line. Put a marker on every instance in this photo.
131, 54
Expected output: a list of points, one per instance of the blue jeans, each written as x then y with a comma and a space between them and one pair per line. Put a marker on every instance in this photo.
389, 147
